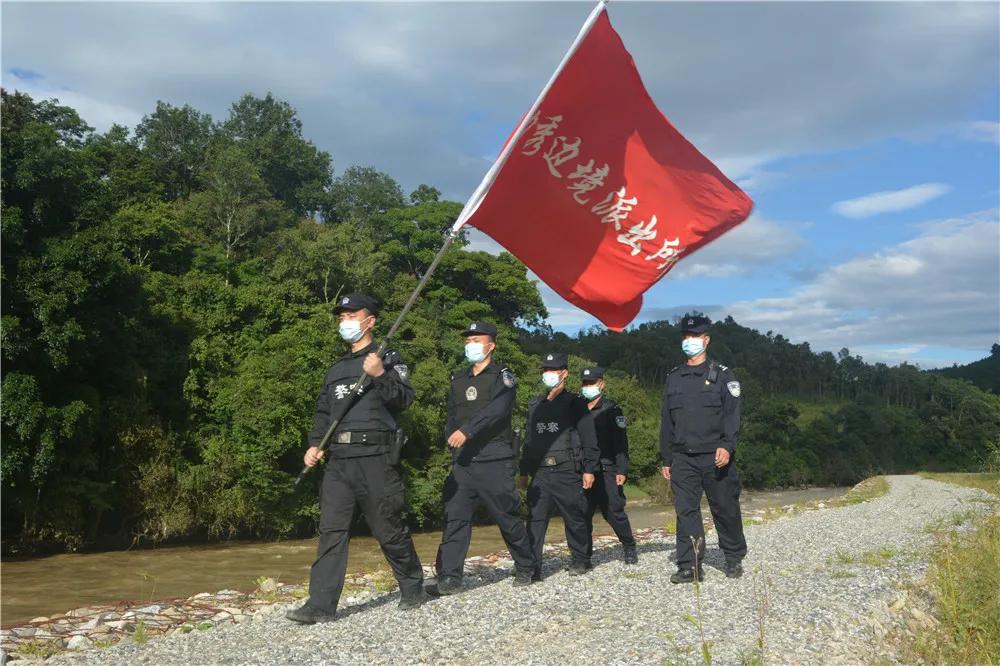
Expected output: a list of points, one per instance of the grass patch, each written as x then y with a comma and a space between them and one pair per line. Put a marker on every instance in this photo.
963, 579
868, 489
984, 481
877, 557
635, 493
383, 580
140, 636
37, 649
840, 573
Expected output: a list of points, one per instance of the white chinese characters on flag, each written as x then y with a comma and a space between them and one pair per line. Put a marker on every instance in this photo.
600, 195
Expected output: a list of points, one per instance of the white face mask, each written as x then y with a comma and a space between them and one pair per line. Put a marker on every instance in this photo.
351, 330
551, 379
591, 391
692, 346
475, 352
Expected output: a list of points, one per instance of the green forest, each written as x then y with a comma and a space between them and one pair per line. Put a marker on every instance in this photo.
166, 324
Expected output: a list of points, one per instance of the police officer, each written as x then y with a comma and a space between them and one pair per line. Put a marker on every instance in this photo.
612, 439
562, 456
359, 474
479, 433
700, 423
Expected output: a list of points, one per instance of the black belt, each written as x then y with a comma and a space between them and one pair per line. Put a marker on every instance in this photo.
608, 465
557, 458
362, 437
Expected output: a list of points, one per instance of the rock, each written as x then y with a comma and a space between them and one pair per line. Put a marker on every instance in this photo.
118, 624
152, 609
227, 593
82, 612
898, 604
78, 643
268, 586
24, 632
40, 619
201, 595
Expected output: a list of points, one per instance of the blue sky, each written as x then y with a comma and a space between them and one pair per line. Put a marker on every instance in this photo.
867, 133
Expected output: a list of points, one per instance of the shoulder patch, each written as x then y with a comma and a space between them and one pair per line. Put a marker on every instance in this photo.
401, 370
734, 389
508, 378
620, 421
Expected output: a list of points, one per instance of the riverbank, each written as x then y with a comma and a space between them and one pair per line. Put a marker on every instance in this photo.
47, 586
104, 625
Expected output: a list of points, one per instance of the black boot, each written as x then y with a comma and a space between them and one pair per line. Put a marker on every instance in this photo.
448, 585
413, 600
629, 555
687, 576
524, 578
578, 568
734, 569
306, 614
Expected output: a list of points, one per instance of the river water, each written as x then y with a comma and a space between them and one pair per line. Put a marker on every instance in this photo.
33, 587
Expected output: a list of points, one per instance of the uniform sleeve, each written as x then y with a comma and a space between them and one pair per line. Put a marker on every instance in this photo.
496, 410
730, 411
620, 431
393, 386
322, 419
666, 427
588, 436
450, 426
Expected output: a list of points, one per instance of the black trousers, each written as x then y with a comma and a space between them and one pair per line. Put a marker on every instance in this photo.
609, 497
560, 487
690, 474
376, 487
493, 484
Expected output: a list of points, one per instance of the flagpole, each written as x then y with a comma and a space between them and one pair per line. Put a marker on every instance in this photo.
470, 207
480, 193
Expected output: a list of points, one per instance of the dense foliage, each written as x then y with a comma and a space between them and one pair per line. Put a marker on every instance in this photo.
984, 373
166, 322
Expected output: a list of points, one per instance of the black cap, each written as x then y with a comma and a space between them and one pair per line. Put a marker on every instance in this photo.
695, 324
356, 302
555, 360
591, 374
481, 328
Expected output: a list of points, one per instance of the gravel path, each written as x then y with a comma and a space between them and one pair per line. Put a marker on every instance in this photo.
826, 572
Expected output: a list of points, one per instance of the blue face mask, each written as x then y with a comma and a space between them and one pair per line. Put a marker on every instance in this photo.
693, 346
591, 391
550, 379
351, 330
474, 352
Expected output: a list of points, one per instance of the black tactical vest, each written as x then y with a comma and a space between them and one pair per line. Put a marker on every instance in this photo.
469, 395
369, 412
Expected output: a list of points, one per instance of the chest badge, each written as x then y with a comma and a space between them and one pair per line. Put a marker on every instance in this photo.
471, 393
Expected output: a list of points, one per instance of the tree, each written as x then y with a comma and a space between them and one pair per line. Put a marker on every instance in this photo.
176, 140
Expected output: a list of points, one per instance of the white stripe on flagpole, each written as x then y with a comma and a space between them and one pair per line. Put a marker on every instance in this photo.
480, 193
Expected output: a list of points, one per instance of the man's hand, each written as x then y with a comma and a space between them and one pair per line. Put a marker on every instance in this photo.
665, 471
313, 456
721, 457
373, 365
522, 482
457, 439
620, 479
588, 480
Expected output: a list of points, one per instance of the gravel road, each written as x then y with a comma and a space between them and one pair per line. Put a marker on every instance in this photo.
822, 574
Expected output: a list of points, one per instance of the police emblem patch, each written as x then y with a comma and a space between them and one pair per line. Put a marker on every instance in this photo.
620, 420
471, 393
734, 389
402, 370
508, 378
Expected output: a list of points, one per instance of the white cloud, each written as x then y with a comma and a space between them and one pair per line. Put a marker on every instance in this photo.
890, 201
750, 246
100, 115
422, 90
985, 131
940, 289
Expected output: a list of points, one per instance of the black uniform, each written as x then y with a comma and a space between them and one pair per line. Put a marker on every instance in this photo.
701, 413
561, 445
482, 468
612, 440
359, 475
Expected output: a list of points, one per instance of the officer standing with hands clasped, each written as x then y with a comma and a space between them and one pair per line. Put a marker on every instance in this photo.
562, 454
612, 439
698, 431
360, 472
479, 433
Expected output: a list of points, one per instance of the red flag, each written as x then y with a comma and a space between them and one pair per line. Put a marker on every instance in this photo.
599, 194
